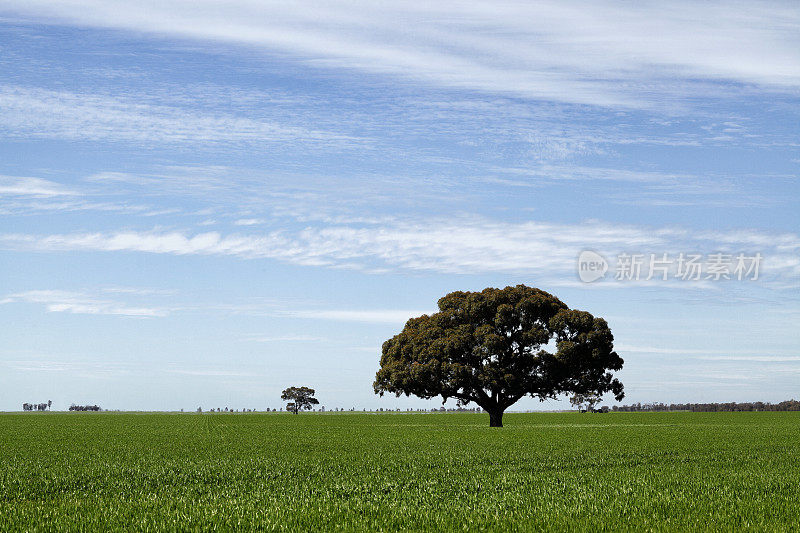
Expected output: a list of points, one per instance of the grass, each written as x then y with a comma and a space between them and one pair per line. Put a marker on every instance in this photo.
389, 472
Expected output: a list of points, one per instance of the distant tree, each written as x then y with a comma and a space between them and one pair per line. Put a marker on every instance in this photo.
302, 399
585, 401
74, 407
489, 348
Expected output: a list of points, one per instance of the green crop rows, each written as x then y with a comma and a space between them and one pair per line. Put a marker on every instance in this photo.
388, 472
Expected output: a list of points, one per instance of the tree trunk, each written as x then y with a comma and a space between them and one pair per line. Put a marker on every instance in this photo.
496, 418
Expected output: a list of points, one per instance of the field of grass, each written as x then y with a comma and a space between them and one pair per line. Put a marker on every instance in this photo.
434, 472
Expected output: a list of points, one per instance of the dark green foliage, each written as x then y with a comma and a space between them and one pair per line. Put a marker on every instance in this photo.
490, 348
302, 398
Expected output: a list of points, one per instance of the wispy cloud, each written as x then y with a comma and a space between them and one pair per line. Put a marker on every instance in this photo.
139, 291
93, 302
462, 246
717, 354
57, 301
249, 222
638, 187
38, 207
377, 316
212, 373
40, 113
753, 358
664, 350
75, 367
307, 310
34, 187
284, 338
603, 53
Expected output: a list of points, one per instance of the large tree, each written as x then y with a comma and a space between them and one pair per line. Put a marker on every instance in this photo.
302, 398
495, 346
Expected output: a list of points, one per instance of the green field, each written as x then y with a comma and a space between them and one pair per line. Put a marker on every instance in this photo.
434, 472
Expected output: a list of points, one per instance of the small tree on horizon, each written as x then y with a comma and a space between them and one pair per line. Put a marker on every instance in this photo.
302, 399
491, 348
587, 400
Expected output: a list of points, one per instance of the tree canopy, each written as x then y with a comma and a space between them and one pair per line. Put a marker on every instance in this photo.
495, 346
302, 398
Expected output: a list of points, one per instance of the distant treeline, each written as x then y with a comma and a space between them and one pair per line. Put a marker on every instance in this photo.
787, 405
37, 406
74, 407
353, 409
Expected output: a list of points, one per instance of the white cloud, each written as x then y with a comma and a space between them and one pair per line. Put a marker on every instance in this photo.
377, 316
138, 291
77, 368
663, 350
285, 338
57, 301
449, 246
711, 354
212, 373
39, 113
636, 187
456, 245
88, 303
249, 221
35, 187
600, 53
754, 358
34, 206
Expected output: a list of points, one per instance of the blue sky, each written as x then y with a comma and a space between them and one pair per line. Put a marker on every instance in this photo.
205, 202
